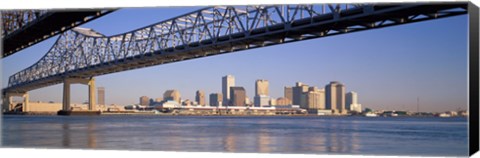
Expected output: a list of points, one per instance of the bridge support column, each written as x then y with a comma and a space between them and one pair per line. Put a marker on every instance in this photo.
26, 101
91, 92
7, 104
66, 95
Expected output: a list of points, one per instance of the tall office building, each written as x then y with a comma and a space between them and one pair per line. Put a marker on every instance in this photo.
200, 98
237, 96
351, 102
335, 97
144, 100
350, 98
172, 95
315, 98
299, 96
216, 99
261, 87
227, 82
288, 94
261, 93
101, 95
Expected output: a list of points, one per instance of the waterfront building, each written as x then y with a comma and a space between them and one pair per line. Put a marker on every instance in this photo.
144, 100
151, 101
299, 97
261, 87
272, 102
172, 95
216, 99
351, 102
315, 99
247, 101
171, 104
101, 96
200, 98
288, 94
283, 101
187, 102
324, 112
261, 100
261, 93
227, 82
238, 96
158, 100
356, 107
335, 97
350, 98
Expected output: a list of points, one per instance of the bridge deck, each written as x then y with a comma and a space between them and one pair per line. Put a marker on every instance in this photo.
47, 25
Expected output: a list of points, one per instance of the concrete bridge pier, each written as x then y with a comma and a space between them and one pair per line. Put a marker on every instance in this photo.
7, 104
91, 92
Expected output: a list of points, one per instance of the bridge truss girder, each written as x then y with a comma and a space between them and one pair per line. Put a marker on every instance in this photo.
84, 53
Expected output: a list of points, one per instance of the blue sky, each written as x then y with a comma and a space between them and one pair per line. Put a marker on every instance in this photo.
387, 67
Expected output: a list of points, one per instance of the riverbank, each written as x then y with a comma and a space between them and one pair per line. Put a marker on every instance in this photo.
152, 113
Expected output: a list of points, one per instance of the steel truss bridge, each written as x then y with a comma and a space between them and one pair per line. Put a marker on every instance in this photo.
23, 28
82, 53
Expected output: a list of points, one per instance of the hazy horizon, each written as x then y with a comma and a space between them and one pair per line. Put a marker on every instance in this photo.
388, 67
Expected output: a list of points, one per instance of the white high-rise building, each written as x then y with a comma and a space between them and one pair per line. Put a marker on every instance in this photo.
351, 102
227, 82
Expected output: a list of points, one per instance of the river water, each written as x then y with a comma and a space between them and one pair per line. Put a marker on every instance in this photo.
306, 135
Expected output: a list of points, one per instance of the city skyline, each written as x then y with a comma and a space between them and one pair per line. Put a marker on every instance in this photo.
439, 80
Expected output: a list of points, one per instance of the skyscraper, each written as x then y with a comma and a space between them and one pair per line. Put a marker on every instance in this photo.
315, 98
350, 98
335, 97
172, 95
227, 82
261, 87
200, 98
237, 96
261, 93
299, 96
216, 99
351, 102
144, 100
101, 95
288, 94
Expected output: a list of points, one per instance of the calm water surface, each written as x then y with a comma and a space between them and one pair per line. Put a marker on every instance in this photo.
310, 135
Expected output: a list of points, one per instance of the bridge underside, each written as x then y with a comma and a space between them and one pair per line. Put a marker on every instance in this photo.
48, 25
353, 20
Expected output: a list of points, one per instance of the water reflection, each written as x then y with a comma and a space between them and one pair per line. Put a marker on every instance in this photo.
229, 142
66, 135
264, 141
236, 134
92, 139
